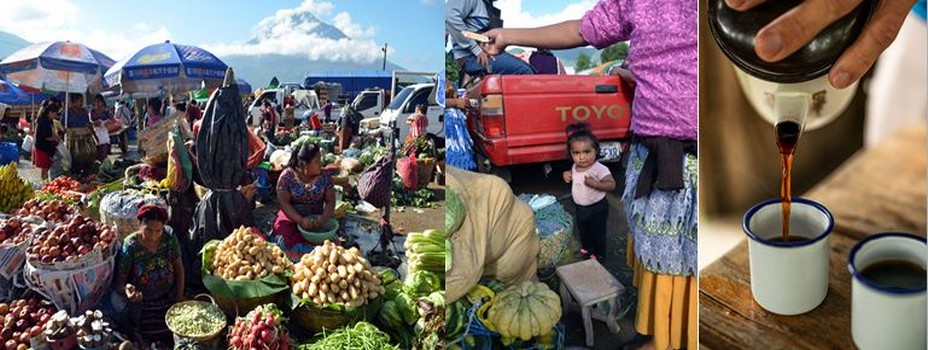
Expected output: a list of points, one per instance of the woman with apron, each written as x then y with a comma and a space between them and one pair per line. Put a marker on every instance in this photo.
80, 135
307, 198
150, 274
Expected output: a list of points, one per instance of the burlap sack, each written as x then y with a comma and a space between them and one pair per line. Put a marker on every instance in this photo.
497, 238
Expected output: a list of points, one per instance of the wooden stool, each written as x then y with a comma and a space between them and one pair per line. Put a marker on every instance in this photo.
583, 285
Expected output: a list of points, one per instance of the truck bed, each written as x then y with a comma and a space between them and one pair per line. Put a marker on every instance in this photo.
536, 110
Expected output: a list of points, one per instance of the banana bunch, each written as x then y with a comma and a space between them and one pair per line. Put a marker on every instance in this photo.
14, 191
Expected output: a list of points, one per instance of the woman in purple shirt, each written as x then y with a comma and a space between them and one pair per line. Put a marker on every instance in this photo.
660, 191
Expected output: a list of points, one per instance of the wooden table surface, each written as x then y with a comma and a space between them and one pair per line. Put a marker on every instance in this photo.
877, 190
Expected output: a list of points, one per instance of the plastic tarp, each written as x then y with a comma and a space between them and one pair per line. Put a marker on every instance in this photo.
497, 238
222, 154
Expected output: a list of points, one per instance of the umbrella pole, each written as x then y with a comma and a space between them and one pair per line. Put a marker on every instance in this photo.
67, 103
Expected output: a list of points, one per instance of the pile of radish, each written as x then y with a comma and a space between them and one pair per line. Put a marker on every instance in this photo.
262, 328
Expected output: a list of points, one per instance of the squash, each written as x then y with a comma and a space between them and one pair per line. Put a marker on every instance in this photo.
455, 211
525, 311
187, 344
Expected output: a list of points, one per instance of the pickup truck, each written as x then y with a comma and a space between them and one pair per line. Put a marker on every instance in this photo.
522, 119
370, 103
306, 101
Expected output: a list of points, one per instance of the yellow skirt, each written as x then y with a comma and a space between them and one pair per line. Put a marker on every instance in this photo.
667, 306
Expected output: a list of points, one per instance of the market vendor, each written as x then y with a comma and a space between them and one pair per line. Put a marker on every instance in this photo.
154, 112
80, 138
99, 115
307, 198
150, 274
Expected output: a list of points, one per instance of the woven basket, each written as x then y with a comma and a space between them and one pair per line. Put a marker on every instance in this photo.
316, 319
201, 339
241, 307
426, 167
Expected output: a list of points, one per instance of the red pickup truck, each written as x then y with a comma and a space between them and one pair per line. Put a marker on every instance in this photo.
522, 119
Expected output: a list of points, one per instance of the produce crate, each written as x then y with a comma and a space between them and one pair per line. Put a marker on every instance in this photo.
154, 139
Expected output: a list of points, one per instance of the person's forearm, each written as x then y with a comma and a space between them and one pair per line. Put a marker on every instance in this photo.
290, 210
601, 185
564, 35
329, 208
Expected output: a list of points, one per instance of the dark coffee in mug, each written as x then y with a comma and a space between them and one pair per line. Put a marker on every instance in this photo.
896, 273
791, 238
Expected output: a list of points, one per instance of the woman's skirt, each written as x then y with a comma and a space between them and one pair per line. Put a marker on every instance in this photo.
662, 252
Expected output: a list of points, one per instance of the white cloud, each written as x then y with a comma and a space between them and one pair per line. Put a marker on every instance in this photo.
31, 18
287, 31
317, 8
293, 31
57, 20
515, 17
343, 22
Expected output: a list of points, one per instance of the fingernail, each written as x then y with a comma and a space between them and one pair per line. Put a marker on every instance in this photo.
769, 45
841, 80
735, 4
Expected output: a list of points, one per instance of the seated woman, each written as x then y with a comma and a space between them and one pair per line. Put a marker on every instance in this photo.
307, 198
150, 275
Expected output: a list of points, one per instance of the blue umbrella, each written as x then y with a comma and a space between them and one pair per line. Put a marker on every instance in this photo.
12, 95
57, 66
166, 67
244, 88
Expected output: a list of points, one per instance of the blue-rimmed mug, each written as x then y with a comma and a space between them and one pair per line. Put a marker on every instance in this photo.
885, 316
791, 277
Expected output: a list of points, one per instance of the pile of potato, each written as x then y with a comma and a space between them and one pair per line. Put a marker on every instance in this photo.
331, 274
245, 256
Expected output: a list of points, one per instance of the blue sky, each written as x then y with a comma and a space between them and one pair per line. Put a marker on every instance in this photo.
412, 28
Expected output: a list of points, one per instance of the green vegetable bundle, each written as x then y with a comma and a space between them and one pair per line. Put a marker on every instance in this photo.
362, 336
426, 252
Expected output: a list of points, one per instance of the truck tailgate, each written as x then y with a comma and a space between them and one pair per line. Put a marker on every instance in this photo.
536, 110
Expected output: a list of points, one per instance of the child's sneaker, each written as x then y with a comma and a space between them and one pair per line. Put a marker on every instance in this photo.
583, 254
593, 257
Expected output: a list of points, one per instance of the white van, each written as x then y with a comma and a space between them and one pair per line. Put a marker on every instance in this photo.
404, 105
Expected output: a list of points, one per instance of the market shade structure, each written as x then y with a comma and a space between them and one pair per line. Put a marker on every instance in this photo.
60, 66
57, 66
244, 88
166, 68
12, 95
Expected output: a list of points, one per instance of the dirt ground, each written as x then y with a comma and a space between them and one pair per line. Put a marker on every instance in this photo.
531, 179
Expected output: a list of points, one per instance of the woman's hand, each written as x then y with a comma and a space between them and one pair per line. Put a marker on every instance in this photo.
797, 27
308, 223
133, 294
249, 191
